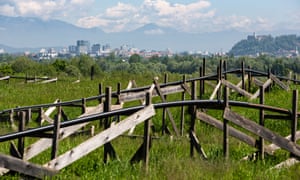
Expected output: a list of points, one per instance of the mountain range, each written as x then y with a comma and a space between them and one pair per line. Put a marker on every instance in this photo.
29, 33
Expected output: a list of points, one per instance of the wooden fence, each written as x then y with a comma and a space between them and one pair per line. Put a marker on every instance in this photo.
52, 130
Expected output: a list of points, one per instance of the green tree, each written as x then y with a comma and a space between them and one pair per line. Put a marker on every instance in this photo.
23, 64
135, 58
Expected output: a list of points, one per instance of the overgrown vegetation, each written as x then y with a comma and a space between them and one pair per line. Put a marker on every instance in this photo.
169, 157
80, 66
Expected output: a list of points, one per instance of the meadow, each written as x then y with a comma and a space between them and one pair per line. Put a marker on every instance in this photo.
169, 156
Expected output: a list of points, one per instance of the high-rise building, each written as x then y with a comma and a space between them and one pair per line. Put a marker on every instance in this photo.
83, 47
72, 49
96, 49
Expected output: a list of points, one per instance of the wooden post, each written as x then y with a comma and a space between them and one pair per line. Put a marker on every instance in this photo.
249, 78
203, 74
107, 108
294, 122
147, 135
21, 140
11, 119
225, 125
200, 84
261, 122
295, 78
220, 78
118, 92
56, 130
225, 69
182, 108
100, 92
193, 118
164, 116
28, 115
40, 116
83, 105
92, 72
108, 148
118, 100
243, 75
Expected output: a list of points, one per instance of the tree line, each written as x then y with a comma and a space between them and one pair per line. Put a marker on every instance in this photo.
80, 66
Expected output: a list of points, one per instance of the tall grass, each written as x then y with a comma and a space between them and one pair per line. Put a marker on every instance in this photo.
169, 156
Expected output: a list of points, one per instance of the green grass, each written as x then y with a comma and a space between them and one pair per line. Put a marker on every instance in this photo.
169, 157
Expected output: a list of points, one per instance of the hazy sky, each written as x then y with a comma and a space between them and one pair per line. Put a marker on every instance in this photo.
183, 15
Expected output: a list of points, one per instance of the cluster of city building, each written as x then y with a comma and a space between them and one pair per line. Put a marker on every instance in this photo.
83, 47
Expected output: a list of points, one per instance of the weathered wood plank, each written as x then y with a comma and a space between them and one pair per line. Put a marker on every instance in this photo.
262, 132
197, 145
4, 78
279, 83
214, 93
237, 89
49, 81
132, 96
239, 84
273, 147
25, 167
287, 163
160, 93
45, 143
232, 131
257, 82
264, 85
100, 139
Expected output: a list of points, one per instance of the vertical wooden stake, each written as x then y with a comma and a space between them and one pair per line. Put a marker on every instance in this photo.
182, 109
100, 92
164, 116
243, 74
294, 117
107, 108
118, 92
118, 100
11, 119
147, 135
56, 131
203, 74
201, 82
249, 78
225, 69
225, 125
193, 118
21, 140
83, 105
261, 122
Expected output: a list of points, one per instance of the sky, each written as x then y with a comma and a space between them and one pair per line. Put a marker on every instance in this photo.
194, 16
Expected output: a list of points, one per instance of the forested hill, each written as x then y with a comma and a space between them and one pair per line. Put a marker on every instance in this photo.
285, 45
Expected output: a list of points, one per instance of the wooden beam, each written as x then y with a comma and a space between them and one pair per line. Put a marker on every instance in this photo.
287, 163
160, 93
25, 167
232, 131
278, 82
262, 132
132, 96
212, 96
239, 84
100, 139
4, 78
45, 143
49, 81
237, 89
197, 145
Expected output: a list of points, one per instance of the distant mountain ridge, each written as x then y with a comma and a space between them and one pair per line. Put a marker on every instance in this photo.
29, 32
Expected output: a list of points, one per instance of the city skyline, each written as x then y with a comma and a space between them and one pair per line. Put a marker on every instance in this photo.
186, 16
